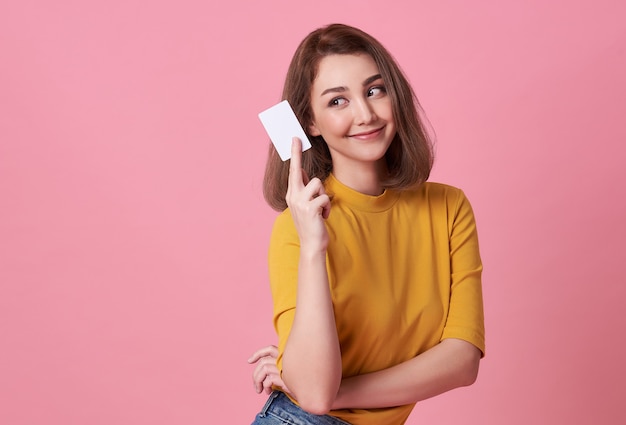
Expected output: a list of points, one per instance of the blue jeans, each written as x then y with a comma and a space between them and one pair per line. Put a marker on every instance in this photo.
279, 410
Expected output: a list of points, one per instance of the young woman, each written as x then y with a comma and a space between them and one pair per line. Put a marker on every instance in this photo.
375, 273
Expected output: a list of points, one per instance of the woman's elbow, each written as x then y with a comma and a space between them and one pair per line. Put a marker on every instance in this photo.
464, 360
316, 406
314, 398
469, 371
470, 374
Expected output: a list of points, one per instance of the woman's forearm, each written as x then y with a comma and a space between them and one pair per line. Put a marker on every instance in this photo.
312, 358
450, 364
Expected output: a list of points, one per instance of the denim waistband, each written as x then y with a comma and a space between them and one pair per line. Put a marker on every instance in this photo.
280, 406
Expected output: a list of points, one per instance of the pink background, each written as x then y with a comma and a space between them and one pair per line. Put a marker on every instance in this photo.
133, 232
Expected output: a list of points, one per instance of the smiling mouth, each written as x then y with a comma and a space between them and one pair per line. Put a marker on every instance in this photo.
367, 134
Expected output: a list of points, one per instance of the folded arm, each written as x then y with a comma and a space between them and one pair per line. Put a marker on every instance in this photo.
450, 364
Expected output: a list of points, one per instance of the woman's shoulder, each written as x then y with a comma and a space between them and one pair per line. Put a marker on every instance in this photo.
284, 225
436, 197
435, 190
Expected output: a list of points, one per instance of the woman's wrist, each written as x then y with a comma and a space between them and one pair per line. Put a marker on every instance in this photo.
313, 252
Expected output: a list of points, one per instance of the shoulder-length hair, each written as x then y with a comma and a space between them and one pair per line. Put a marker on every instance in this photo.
410, 155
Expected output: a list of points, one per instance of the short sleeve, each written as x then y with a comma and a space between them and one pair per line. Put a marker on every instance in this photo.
465, 317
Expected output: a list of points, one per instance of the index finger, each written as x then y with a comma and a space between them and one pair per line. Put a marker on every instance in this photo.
270, 350
295, 164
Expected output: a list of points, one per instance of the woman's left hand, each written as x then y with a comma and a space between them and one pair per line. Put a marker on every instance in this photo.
266, 374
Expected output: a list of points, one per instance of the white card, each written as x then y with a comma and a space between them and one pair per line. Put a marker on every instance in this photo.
281, 125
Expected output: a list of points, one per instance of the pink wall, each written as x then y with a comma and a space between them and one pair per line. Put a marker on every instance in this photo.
133, 233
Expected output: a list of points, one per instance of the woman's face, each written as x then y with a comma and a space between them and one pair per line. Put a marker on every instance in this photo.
351, 110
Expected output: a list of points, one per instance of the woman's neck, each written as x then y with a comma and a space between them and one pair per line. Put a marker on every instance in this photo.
364, 178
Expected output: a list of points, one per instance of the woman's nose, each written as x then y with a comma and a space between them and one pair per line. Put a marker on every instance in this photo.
363, 112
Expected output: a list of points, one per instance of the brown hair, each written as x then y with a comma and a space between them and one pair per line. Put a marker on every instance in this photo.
410, 155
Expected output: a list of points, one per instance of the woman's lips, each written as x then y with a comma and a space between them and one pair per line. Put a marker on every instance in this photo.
366, 135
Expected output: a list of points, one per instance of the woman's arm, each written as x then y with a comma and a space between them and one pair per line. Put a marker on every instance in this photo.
312, 359
311, 363
450, 364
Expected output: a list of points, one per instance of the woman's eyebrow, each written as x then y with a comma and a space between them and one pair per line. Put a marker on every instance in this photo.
334, 90
342, 89
372, 79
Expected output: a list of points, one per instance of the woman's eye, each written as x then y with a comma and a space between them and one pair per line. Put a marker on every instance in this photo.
338, 101
375, 91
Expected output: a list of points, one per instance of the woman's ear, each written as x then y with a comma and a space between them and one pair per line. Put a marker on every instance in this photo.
314, 131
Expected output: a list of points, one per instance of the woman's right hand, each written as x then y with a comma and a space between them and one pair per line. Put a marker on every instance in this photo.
266, 375
308, 203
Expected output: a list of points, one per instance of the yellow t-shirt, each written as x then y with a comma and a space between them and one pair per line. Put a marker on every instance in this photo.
404, 271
